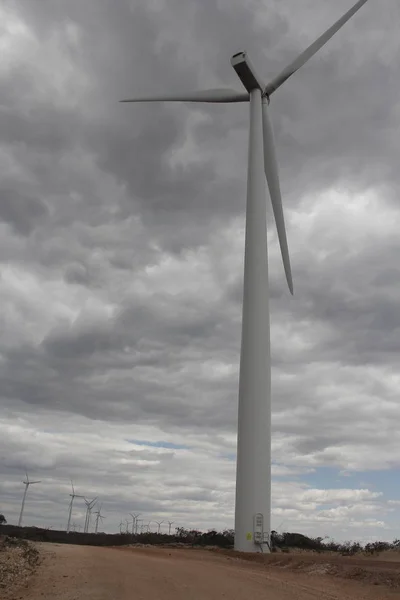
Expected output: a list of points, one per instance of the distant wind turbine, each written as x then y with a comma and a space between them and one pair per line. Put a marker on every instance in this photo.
170, 523
253, 472
89, 506
137, 526
159, 523
98, 516
73, 496
134, 517
26, 483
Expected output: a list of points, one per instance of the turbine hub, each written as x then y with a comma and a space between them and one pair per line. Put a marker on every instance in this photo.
266, 98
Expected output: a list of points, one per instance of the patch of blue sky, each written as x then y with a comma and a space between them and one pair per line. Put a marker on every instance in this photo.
231, 456
159, 444
387, 482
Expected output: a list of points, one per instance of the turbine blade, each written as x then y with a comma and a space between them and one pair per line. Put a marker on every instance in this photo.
218, 96
271, 173
311, 50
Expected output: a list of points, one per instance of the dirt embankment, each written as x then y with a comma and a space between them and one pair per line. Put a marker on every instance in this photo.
81, 572
382, 570
18, 561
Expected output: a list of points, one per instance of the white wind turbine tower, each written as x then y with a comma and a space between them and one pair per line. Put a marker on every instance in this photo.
137, 526
159, 523
26, 483
170, 523
134, 517
89, 505
98, 516
73, 496
253, 475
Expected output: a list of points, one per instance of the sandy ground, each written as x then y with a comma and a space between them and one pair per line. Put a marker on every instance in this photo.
92, 573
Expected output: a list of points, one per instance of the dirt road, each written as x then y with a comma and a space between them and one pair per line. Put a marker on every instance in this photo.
92, 573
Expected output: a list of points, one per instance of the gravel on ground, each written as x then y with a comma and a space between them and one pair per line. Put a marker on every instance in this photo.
18, 561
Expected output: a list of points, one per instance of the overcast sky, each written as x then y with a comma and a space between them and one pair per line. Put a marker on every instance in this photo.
121, 262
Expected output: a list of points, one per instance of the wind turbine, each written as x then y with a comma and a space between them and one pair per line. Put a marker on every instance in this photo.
98, 516
134, 517
170, 523
136, 526
73, 496
89, 505
26, 483
159, 523
253, 472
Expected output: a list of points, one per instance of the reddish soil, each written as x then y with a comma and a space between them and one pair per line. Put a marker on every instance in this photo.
82, 572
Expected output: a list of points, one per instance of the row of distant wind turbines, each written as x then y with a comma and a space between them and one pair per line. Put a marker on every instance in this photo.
143, 527
90, 504
89, 507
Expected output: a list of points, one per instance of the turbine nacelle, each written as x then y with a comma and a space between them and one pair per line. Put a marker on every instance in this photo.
246, 73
